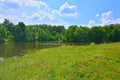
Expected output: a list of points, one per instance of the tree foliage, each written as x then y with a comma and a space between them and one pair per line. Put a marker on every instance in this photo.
33, 33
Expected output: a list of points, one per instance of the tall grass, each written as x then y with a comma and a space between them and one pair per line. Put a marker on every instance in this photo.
90, 62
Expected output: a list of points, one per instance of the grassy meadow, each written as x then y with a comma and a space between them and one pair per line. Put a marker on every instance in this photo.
89, 62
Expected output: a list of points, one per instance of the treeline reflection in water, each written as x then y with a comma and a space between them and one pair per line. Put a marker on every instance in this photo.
19, 49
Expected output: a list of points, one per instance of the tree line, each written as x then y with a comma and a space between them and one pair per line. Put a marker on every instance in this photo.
81, 34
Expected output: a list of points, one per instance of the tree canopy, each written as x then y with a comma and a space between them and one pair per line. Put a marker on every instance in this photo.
81, 34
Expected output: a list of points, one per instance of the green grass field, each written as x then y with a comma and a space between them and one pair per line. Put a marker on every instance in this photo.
90, 62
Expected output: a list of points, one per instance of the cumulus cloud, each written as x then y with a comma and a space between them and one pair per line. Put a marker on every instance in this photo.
62, 22
35, 12
23, 3
118, 20
107, 14
68, 10
8, 5
53, 16
26, 11
106, 18
10, 17
97, 15
91, 23
40, 15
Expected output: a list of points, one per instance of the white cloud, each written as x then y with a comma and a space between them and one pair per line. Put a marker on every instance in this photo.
62, 22
40, 15
44, 15
35, 12
53, 16
107, 14
8, 6
91, 23
1, 0
118, 20
9, 17
68, 10
12, 17
29, 3
106, 18
97, 15
26, 11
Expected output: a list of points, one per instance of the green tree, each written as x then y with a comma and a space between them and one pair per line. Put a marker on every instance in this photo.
70, 33
8, 30
20, 32
82, 35
116, 29
2, 33
109, 34
31, 33
97, 34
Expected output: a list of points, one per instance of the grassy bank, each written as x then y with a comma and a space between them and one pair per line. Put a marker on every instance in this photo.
90, 62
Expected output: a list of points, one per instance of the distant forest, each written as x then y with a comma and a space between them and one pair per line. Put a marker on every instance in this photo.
81, 34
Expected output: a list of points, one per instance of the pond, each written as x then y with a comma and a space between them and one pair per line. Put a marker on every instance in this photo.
19, 49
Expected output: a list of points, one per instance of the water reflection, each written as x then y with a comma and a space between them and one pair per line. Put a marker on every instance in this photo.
19, 49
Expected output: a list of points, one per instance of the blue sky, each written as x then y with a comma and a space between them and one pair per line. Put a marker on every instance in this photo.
61, 12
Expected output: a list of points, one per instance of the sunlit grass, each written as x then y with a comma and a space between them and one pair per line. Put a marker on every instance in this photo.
90, 62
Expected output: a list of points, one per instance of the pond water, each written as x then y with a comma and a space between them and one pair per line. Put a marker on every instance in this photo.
19, 49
